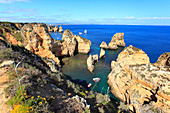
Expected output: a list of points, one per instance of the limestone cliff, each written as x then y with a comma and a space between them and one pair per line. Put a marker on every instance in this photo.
138, 83
36, 38
73, 44
164, 59
83, 44
69, 43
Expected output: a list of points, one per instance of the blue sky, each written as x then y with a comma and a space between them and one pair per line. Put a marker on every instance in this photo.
144, 12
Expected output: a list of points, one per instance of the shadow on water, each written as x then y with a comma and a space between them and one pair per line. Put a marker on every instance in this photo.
76, 68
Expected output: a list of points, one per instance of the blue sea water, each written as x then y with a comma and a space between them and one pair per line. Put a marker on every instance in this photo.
154, 40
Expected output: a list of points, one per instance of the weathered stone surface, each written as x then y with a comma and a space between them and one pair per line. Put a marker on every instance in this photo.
132, 56
102, 53
104, 45
91, 60
112, 45
83, 44
117, 40
140, 84
52, 28
60, 29
164, 59
69, 43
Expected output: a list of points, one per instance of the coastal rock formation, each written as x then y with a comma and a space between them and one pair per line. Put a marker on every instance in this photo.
73, 44
164, 59
117, 40
102, 53
36, 38
60, 29
91, 60
104, 45
83, 44
52, 28
69, 44
132, 56
138, 83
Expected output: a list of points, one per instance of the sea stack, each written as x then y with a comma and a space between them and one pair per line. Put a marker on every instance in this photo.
104, 45
116, 41
60, 29
83, 44
91, 60
102, 53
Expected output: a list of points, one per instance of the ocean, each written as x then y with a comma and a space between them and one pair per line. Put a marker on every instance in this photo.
153, 40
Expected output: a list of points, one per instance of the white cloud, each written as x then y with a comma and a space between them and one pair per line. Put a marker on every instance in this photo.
129, 17
154, 18
11, 1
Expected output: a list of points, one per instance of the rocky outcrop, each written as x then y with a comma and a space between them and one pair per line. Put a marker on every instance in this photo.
69, 43
73, 44
132, 56
83, 44
52, 28
104, 45
117, 40
102, 53
138, 83
60, 29
164, 59
91, 60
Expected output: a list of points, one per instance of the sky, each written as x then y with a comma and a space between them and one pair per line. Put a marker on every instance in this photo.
126, 12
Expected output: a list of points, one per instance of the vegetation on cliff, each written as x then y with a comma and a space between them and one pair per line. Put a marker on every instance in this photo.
39, 86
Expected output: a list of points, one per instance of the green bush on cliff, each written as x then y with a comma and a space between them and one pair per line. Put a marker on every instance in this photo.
18, 36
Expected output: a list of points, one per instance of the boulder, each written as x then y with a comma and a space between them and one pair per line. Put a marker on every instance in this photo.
60, 29
104, 45
83, 44
91, 60
102, 53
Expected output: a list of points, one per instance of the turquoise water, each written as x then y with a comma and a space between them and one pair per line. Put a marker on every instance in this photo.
76, 68
154, 40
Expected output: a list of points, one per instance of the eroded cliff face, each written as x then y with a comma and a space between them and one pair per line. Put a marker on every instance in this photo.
36, 38
138, 83
164, 59
73, 44
83, 44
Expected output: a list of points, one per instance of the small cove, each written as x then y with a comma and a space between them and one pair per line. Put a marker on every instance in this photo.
154, 40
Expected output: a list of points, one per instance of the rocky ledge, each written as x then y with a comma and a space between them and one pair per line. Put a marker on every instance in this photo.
143, 86
116, 41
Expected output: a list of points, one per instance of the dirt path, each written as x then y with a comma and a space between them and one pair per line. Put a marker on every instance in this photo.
3, 79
